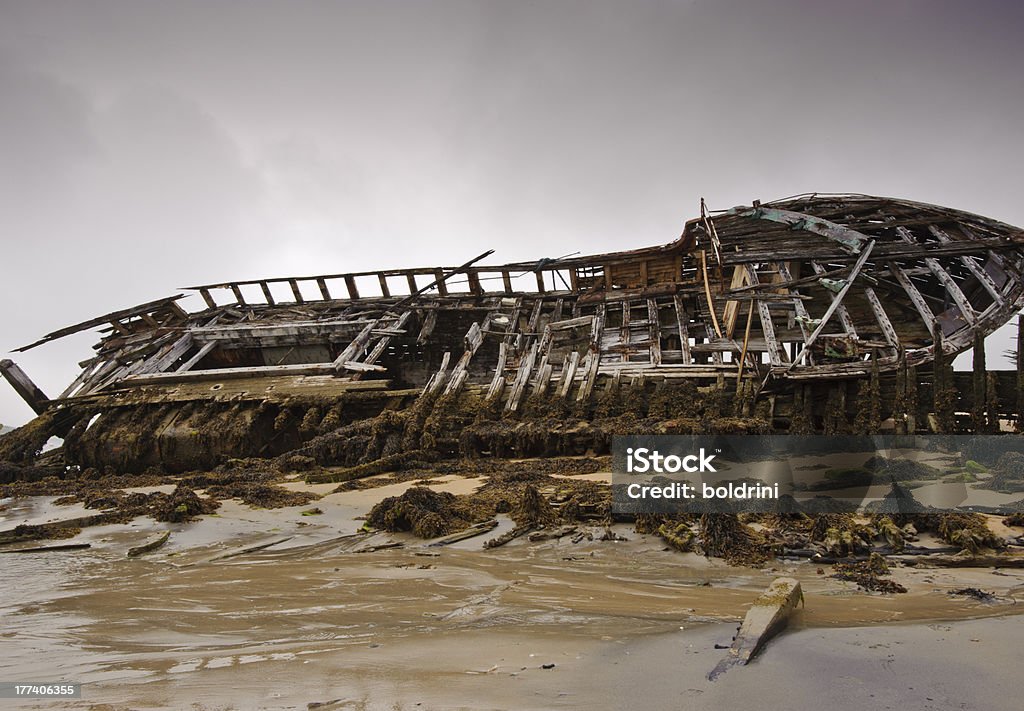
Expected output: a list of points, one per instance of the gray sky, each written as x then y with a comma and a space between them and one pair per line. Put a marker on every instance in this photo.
146, 146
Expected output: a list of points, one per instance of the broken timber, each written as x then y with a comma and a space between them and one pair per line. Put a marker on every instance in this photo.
767, 617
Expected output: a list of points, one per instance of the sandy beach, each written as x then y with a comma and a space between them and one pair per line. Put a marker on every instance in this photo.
219, 619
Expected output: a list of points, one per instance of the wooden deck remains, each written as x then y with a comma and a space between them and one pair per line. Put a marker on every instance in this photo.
810, 288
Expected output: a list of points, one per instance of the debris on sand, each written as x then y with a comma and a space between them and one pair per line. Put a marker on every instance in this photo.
970, 531
678, 534
840, 536
181, 505
150, 546
768, 616
867, 574
424, 512
1008, 474
261, 496
723, 536
976, 593
1016, 519
533, 509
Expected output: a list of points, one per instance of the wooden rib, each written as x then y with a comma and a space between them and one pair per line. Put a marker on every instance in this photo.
952, 288
239, 299
980, 274
568, 374
654, 327
410, 279
438, 378
383, 281
205, 293
557, 313
915, 296
842, 312
350, 286
884, 324
739, 279
265, 287
624, 334
295, 291
804, 317
684, 333
473, 339
707, 295
716, 355
202, 353
428, 327
522, 377
498, 381
776, 353
324, 291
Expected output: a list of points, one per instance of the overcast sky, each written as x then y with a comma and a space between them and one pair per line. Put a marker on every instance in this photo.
146, 146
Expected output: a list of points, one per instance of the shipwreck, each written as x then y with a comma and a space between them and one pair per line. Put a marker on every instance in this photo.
793, 312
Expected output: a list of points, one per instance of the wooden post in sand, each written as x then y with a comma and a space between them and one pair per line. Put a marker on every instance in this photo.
767, 617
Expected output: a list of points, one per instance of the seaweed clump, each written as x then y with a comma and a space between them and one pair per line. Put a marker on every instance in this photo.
261, 495
722, 535
969, 531
868, 575
533, 509
1008, 473
181, 505
424, 512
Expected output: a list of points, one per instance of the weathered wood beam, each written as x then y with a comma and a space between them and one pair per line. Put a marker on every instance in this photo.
498, 381
776, 353
568, 374
884, 324
205, 293
23, 385
916, 298
682, 318
437, 380
522, 377
429, 322
803, 318
351, 288
265, 287
654, 326
325, 293
200, 354
473, 340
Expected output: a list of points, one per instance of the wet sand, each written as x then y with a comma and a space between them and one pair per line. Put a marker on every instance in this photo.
626, 624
